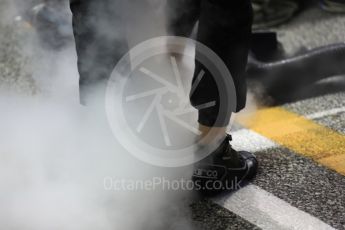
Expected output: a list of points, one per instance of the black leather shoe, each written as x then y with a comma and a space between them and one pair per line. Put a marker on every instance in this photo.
224, 170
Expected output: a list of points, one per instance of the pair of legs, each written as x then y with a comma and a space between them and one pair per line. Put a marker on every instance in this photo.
224, 26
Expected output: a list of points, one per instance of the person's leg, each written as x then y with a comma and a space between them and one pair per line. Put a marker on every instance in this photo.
225, 27
100, 41
182, 16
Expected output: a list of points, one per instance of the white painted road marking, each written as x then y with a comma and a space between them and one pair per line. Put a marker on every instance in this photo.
267, 211
325, 113
251, 141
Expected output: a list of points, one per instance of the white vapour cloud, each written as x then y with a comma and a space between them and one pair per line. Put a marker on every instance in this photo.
55, 154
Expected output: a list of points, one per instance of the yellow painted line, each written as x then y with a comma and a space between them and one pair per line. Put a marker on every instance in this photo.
335, 162
300, 135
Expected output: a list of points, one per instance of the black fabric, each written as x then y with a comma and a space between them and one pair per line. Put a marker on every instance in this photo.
98, 48
224, 26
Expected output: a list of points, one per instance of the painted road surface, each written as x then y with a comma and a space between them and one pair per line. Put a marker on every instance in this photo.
301, 182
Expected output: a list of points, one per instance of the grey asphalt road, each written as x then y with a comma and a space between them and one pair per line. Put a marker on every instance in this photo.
299, 181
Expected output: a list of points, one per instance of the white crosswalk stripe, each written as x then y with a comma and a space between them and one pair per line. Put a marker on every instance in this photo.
268, 212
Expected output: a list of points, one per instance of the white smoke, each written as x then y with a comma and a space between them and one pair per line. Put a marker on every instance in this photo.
55, 155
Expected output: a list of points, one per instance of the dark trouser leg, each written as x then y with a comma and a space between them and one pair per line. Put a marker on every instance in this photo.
225, 27
182, 16
100, 42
